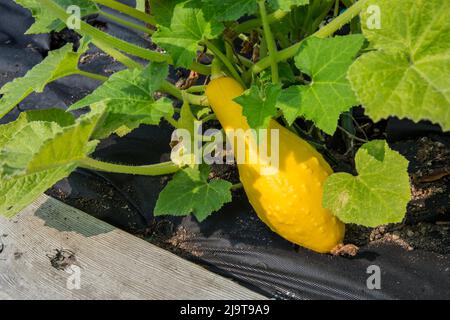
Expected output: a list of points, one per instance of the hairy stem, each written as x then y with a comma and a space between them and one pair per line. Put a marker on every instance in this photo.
107, 39
224, 60
149, 170
255, 23
87, 29
92, 75
237, 186
270, 41
196, 89
326, 31
132, 12
127, 23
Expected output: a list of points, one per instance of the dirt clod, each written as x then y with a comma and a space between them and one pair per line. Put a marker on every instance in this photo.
62, 259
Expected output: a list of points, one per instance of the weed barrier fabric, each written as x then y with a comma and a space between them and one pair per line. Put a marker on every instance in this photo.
232, 242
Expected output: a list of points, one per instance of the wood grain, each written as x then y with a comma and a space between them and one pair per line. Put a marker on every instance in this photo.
113, 263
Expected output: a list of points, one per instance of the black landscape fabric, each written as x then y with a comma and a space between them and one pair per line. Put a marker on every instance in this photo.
232, 242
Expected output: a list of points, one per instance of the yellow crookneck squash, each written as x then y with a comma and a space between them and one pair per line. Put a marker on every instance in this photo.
290, 201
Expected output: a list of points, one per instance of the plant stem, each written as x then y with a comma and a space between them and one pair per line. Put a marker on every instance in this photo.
177, 93
197, 100
326, 31
270, 41
171, 89
254, 23
132, 12
126, 23
87, 29
106, 39
209, 117
237, 186
224, 60
117, 55
199, 88
352, 135
149, 170
92, 75
172, 121
336, 8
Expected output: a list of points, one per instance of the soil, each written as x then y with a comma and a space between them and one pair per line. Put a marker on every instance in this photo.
60, 260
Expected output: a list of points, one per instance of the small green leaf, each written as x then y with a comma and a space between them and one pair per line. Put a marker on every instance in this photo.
190, 192
378, 195
57, 64
52, 153
259, 104
289, 103
329, 94
188, 27
408, 74
186, 120
45, 21
128, 99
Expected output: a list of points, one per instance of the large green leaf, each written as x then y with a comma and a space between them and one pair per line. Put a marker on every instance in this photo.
46, 152
187, 28
329, 94
45, 21
408, 74
128, 98
380, 192
190, 192
57, 64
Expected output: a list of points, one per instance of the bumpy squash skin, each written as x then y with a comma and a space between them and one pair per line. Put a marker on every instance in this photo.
289, 202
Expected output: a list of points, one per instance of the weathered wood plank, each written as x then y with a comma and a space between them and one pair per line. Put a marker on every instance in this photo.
113, 264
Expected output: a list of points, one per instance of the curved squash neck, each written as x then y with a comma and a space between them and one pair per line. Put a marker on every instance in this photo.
229, 113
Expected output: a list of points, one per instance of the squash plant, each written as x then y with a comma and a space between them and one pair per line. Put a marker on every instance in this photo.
290, 65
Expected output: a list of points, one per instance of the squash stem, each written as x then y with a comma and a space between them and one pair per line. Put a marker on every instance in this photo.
126, 23
225, 61
91, 75
270, 41
158, 169
255, 23
132, 12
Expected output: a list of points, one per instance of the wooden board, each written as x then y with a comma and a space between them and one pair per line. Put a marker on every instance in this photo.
112, 263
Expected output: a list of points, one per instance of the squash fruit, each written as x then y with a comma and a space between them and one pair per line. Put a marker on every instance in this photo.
290, 201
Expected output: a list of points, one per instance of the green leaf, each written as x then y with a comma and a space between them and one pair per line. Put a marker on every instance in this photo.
286, 5
229, 10
188, 27
380, 192
52, 153
127, 97
329, 94
190, 192
187, 118
163, 10
20, 149
408, 74
45, 21
57, 64
259, 104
